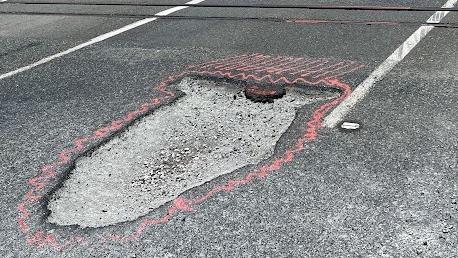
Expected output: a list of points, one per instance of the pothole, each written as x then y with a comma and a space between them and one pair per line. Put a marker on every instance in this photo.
212, 130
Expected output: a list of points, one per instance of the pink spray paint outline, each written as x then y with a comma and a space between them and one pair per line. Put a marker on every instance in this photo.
40, 238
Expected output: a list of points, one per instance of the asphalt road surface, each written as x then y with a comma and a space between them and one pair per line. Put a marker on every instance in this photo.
388, 189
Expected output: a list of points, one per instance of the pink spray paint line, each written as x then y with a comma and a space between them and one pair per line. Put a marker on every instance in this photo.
364, 22
38, 236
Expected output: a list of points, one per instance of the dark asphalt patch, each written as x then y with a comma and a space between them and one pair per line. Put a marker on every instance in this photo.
19, 48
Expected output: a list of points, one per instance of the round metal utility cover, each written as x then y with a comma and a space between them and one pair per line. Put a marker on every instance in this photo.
264, 94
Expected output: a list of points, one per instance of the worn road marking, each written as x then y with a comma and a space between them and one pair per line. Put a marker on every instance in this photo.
97, 39
378, 74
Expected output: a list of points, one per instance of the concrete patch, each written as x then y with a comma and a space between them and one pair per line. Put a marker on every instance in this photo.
213, 130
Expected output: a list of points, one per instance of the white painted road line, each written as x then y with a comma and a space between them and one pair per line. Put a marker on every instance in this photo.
378, 74
97, 39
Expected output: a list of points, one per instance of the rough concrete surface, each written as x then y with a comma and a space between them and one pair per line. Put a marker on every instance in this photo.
211, 131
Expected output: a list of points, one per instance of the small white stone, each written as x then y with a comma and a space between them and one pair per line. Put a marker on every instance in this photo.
350, 126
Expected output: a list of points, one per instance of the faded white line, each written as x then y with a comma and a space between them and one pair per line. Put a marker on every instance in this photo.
337, 115
97, 39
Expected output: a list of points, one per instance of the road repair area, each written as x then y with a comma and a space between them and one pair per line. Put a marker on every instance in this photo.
229, 128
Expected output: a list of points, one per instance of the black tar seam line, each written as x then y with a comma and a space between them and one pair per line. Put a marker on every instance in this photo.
232, 18
254, 6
